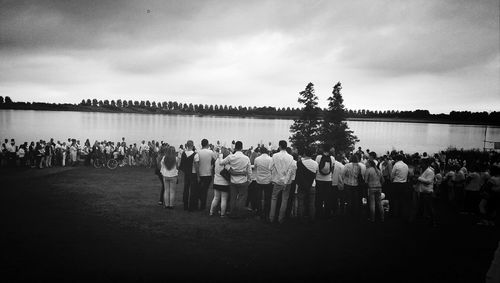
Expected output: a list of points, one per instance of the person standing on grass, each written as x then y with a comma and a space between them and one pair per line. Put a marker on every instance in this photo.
158, 171
207, 156
221, 185
281, 166
307, 169
168, 169
351, 174
374, 178
240, 176
338, 194
399, 178
73, 151
426, 181
263, 186
324, 183
190, 161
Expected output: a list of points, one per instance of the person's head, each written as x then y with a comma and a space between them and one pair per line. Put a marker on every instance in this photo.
189, 145
326, 149
204, 143
263, 150
354, 158
123, 139
372, 155
282, 144
12, 141
308, 152
238, 145
170, 158
289, 150
143, 142
370, 163
225, 152
398, 157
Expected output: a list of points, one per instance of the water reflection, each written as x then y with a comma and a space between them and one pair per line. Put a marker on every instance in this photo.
175, 129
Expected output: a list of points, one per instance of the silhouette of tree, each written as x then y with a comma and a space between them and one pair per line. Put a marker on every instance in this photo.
101, 103
8, 100
119, 103
334, 130
304, 129
1, 100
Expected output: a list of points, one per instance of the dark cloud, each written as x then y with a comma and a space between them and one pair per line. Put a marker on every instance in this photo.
253, 48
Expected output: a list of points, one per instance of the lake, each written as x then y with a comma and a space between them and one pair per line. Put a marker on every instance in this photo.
30, 125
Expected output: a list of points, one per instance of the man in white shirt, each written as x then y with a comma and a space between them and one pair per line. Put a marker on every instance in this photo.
240, 175
207, 157
400, 189
281, 165
324, 191
338, 196
264, 186
190, 165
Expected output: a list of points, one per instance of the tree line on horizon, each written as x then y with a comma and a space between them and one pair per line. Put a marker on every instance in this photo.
174, 107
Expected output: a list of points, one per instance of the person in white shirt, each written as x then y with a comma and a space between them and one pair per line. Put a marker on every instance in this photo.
400, 190
324, 191
426, 181
168, 169
240, 168
190, 166
221, 185
281, 165
262, 165
206, 156
338, 195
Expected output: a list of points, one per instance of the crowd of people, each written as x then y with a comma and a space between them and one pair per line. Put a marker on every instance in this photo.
280, 183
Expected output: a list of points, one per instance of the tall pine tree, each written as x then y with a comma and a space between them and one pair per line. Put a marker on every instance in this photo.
334, 130
304, 130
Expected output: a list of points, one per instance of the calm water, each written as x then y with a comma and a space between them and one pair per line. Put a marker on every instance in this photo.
176, 129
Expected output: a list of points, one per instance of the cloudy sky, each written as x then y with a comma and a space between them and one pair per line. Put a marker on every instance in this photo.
439, 55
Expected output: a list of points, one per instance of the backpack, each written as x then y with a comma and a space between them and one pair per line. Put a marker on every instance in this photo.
325, 169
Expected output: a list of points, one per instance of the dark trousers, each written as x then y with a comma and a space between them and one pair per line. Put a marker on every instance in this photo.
190, 194
252, 195
203, 191
323, 199
428, 206
472, 199
264, 191
291, 200
338, 201
162, 191
400, 201
354, 201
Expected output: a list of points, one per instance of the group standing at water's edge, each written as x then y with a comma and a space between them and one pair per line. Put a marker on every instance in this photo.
279, 184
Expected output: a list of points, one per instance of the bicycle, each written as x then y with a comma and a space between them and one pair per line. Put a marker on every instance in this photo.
102, 161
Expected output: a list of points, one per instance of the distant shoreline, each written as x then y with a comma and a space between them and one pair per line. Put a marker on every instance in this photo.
136, 110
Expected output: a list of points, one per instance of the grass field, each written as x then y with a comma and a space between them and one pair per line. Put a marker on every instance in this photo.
86, 224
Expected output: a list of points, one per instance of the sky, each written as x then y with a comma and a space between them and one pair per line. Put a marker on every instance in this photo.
439, 55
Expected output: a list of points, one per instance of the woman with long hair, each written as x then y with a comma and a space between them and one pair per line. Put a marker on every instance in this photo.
169, 171
373, 178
